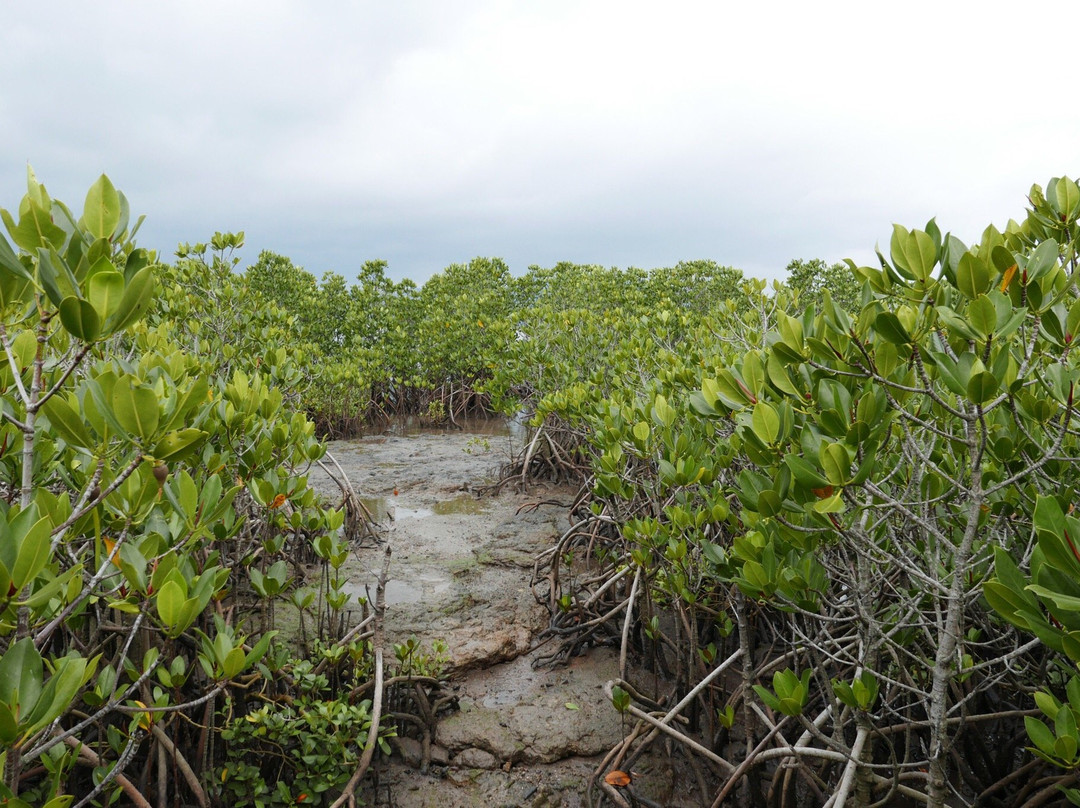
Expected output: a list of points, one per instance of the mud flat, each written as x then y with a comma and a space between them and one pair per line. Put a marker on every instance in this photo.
460, 572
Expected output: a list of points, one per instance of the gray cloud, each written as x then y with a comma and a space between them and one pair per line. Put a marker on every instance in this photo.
427, 133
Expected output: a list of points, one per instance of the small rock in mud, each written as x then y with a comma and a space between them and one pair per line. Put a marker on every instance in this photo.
473, 758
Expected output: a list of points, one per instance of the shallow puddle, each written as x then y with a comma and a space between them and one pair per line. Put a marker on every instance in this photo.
398, 591
490, 427
377, 507
381, 509
466, 504
412, 513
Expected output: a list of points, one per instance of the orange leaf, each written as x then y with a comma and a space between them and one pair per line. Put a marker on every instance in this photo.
617, 778
1010, 273
279, 500
109, 545
144, 718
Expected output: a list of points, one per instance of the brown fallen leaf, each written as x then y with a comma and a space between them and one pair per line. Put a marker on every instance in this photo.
617, 778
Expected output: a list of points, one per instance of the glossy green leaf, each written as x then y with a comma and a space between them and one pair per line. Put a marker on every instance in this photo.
80, 319
972, 276
101, 211
913, 252
982, 387
59, 692
105, 291
170, 603
138, 295
21, 676
982, 315
804, 473
34, 551
68, 424
888, 326
10, 263
765, 422
836, 462
179, 443
136, 408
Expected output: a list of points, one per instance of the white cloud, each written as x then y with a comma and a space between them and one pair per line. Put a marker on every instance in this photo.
611, 132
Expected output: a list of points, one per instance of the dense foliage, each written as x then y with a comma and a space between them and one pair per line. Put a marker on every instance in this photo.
817, 497
154, 506
833, 515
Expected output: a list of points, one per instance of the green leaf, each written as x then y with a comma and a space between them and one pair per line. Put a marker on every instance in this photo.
170, 603
913, 252
101, 211
47, 277
765, 422
805, 474
982, 387
1040, 735
9, 727
58, 694
768, 503
949, 373
779, 377
972, 276
954, 322
260, 649
34, 551
833, 504
889, 327
176, 445
768, 698
233, 663
11, 263
68, 424
105, 291
641, 431
663, 413
138, 295
1066, 198
1047, 703
710, 391
1042, 260
982, 314
43, 594
135, 262
135, 407
836, 462
80, 319
21, 676
36, 229
1049, 517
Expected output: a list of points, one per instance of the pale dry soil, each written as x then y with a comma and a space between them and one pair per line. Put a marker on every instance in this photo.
460, 571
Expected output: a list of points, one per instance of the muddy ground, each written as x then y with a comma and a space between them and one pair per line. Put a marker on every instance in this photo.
460, 572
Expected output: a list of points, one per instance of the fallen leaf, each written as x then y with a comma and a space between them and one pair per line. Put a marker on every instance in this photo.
617, 778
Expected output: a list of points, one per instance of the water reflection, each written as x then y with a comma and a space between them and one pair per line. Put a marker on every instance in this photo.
429, 585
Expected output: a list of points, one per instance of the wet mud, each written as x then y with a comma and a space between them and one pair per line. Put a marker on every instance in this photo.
460, 572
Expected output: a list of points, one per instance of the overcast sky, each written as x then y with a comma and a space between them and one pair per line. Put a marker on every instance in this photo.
616, 133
